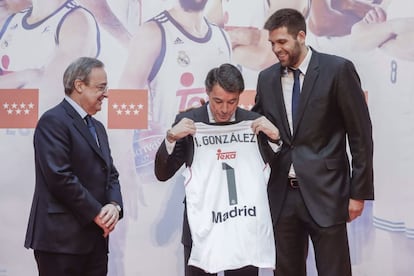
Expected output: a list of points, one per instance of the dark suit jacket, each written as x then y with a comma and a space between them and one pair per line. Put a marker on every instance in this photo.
74, 179
167, 165
332, 108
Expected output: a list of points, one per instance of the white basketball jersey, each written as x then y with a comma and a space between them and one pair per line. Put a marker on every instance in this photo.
226, 197
176, 81
31, 46
391, 102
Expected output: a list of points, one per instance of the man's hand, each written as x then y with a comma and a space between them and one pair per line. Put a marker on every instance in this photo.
181, 129
107, 218
264, 125
375, 15
355, 208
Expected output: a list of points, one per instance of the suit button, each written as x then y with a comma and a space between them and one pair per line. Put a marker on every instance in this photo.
104, 169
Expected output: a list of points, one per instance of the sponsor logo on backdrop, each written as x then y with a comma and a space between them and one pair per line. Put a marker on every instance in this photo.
128, 109
19, 108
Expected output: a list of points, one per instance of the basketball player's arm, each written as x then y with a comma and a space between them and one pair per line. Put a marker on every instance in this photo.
393, 36
324, 20
20, 78
214, 12
358, 8
257, 55
250, 46
399, 46
108, 20
143, 51
299, 5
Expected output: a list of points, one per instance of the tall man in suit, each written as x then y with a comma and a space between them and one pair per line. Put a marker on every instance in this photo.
224, 84
313, 190
77, 200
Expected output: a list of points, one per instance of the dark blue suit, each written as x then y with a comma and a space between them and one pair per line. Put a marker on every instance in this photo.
74, 179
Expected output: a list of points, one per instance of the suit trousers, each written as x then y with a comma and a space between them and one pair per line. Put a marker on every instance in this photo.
195, 271
94, 263
293, 229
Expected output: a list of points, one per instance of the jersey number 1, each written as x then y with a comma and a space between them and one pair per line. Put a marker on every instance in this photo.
231, 183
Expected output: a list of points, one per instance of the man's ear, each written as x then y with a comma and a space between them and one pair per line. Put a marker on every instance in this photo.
301, 37
78, 85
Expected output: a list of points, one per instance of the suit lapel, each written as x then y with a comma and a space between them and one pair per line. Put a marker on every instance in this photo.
308, 83
202, 115
81, 126
104, 146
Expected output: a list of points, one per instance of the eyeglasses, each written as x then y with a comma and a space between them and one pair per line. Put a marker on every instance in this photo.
100, 88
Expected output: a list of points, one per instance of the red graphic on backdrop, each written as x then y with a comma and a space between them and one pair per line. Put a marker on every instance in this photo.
19, 108
128, 109
5, 61
187, 79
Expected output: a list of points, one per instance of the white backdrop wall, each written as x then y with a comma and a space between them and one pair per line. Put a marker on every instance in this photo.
147, 240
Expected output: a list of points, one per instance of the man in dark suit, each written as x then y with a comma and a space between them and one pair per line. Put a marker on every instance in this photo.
224, 85
77, 200
313, 190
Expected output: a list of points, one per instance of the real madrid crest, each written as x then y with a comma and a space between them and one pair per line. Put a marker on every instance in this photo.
183, 59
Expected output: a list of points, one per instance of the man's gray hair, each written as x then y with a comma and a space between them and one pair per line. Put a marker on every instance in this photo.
79, 70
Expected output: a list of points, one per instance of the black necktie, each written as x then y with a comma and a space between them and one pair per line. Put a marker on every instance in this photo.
295, 95
91, 127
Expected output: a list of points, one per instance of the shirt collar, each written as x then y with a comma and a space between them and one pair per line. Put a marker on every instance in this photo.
303, 67
76, 106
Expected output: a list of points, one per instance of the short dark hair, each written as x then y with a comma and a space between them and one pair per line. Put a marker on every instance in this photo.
227, 76
79, 69
292, 19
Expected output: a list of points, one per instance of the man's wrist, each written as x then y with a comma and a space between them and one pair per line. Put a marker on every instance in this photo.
117, 206
276, 141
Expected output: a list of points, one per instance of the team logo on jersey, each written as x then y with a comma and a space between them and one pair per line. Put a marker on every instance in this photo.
183, 59
4, 44
225, 155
